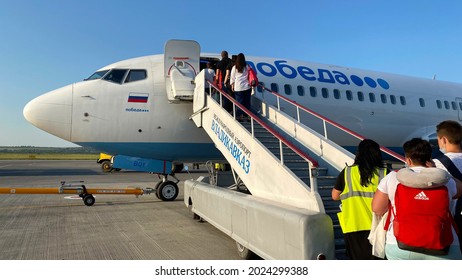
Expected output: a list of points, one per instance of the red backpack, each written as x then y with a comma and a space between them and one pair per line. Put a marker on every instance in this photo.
422, 222
253, 80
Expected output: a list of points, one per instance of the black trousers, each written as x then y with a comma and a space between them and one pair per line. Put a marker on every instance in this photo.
358, 247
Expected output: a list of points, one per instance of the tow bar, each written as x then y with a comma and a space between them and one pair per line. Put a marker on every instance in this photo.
78, 188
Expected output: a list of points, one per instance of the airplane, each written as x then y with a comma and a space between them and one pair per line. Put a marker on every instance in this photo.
133, 107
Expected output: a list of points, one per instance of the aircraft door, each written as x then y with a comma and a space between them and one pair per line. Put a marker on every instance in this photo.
459, 108
181, 65
199, 101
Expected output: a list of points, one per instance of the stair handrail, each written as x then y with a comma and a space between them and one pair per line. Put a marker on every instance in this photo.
253, 117
326, 120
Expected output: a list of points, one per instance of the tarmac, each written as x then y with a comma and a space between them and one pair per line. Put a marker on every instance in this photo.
116, 227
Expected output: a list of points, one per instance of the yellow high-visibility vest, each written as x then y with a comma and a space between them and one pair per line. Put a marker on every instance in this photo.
356, 214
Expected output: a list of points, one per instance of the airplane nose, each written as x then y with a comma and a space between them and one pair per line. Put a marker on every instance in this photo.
52, 112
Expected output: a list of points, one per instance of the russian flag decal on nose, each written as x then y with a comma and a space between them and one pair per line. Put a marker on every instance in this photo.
136, 97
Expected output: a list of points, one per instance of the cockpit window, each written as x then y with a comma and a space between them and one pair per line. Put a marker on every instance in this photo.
97, 75
116, 75
135, 75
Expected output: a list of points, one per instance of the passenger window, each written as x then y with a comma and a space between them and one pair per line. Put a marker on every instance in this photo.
336, 94
115, 76
325, 92
313, 92
349, 95
372, 97
301, 90
446, 104
274, 87
384, 98
460, 106
438, 104
288, 89
454, 106
402, 99
136, 75
422, 102
360, 96
392, 99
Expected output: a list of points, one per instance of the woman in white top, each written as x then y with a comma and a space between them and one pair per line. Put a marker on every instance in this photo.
240, 84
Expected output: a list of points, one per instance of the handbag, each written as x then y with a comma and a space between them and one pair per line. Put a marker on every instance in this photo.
377, 236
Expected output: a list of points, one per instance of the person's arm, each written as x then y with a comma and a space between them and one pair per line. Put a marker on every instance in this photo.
380, 203
339, 186
336, 194
233, 76
217, 76
227, 75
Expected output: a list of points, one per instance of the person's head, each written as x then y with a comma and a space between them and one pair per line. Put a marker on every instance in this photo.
417, 152
368, 158
209, 65
449, 135
224, 54
240, 62
233, 59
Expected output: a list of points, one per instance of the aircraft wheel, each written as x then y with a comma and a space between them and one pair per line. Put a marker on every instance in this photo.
106, 166
167, 191
243, 251
88, 200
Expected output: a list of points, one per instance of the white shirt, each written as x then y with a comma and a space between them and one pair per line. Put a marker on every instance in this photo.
456, 159
240, 80
209, 75
388, 186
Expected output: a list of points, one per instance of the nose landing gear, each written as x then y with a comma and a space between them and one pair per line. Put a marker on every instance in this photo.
167, 190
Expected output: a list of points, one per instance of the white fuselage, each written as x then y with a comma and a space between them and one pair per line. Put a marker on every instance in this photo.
134, 117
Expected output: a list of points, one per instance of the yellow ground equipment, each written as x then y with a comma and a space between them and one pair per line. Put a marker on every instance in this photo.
105, 161
77, 188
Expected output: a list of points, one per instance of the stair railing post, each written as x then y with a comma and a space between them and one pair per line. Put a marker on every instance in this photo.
325, 129
313, 177
280, 151
298, 114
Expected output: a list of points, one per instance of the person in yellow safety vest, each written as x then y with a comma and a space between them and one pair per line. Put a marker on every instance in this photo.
355, 187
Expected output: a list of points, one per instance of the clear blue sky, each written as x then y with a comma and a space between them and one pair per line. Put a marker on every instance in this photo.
45, 45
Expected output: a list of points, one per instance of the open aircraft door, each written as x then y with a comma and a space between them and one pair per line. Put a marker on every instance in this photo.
181, 65
199, 102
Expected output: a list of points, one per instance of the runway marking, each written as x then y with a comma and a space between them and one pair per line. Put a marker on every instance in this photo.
73, 197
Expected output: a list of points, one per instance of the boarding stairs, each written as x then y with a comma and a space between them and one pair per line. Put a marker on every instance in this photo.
270, 166
306, 163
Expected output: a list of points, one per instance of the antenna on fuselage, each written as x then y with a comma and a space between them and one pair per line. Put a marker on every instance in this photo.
434, 77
